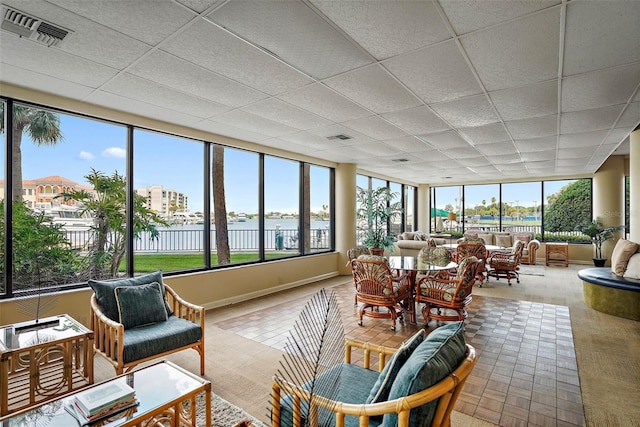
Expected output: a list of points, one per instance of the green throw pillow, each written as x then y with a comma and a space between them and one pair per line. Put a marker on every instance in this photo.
380, 390
140, 305
435, 358
106, 298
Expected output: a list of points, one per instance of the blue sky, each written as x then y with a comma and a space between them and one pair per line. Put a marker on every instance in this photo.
168, 161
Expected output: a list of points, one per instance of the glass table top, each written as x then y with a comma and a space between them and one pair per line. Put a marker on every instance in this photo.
21, 336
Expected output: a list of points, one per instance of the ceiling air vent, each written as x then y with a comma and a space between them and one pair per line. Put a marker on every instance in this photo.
341, 136
32, 28
400, 160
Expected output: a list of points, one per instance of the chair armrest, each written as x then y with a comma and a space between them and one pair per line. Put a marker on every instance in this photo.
107, 332
184, 309
380, 350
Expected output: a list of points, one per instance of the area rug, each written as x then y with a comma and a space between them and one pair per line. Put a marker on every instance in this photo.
223, 413
532, 270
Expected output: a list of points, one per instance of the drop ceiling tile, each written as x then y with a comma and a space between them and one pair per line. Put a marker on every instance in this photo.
288, 146
580, 161
211, 47
124, 103
47, 84
293, 32
533, 128
60, 65
337, 156
387, 29
545, 167
438, 73
445, 140
584, 139
150, 22
600, 88
503, 159
467, 112
462, 152
310, 140
408, 144
486, 134
282, 112
631, 116
326, 103
616, 137
603, 152
230, 131
576, 152
434, 156
539, 99
497, 148
587, 120
375, 127
89, 40
417, 120
132, 87
253, 123
601, 34
179, 74
537, 144
516, 53
476, 161
375, 89
535, 156
469, 15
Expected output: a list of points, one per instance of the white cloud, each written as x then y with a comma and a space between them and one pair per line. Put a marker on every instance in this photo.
85, 155
114, 152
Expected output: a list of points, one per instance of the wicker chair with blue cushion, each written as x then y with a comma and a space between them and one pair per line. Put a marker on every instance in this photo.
140, 318
417, 386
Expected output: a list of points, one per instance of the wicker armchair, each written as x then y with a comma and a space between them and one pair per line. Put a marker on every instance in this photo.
445, 392
444, 298
476, 249
506, 264
354, 253
376, 286
125, 347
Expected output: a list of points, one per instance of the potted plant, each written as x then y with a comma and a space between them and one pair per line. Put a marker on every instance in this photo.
598, 234
376, 209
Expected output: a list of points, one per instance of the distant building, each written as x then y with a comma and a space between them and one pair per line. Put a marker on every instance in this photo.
161, 200
45, 190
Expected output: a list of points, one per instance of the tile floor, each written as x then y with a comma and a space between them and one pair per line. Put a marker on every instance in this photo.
526, 374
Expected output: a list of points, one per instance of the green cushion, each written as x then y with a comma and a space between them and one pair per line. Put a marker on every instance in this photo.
381, 388
140, 305
435, 358
106, 298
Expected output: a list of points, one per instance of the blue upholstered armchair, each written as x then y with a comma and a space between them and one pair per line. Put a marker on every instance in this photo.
140, 318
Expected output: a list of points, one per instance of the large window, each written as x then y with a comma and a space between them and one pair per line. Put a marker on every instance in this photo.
567, 204
524, 204
77, 215
173, 189
481, 208
447, 212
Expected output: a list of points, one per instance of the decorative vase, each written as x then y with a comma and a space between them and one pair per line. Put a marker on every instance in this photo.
377, 251
599, 262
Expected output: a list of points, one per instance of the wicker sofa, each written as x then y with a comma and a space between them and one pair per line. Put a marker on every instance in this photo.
140, 318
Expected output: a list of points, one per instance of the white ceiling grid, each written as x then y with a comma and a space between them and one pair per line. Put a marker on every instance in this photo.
464, 90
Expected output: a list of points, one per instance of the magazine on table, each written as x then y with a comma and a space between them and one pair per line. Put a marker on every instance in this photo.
101, 401
123, 408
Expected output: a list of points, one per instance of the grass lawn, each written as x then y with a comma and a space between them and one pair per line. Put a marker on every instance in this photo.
146, 263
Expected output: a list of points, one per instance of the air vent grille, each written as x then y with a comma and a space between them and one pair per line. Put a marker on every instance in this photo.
340, 136
400, 160
33, 28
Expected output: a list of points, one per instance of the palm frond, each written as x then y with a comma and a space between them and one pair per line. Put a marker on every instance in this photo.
315, 346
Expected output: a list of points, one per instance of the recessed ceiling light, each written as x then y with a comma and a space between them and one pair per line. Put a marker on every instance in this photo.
340, 136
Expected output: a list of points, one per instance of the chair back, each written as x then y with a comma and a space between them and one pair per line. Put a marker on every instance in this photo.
434, 255
516, 250
356, 251
466, 250
372, 276
466, 277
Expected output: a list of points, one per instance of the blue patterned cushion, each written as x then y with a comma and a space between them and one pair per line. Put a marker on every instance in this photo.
381, 388
106, 297
159, 337
140, 305
436, 357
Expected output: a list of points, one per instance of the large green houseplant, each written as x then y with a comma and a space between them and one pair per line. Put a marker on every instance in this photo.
377, 208
598, 234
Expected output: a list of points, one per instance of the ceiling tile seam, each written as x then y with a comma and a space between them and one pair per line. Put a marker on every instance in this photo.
466, 58
145, 54
561, 44
338, 29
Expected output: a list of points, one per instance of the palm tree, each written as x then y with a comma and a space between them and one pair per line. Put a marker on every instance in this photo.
219, 206
42, 126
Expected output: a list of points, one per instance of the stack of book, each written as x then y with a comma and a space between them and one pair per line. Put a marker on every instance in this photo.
102, 401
